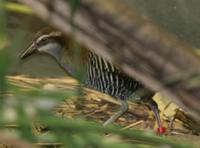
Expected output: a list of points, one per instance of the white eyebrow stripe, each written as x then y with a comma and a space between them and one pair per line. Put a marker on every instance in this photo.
42, 37
52, 34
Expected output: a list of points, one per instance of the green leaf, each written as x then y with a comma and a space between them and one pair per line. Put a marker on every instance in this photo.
19, 8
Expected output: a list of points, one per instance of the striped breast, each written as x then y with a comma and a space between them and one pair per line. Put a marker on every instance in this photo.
104, 77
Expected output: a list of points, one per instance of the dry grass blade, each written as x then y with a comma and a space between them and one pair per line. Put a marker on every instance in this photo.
97, 106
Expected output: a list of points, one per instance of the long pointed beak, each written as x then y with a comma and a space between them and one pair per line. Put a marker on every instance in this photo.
29, 51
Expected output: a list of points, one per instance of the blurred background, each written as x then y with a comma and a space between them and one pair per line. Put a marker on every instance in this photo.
180, 17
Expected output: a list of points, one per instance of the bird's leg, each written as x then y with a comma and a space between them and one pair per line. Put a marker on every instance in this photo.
154, 107
123, 109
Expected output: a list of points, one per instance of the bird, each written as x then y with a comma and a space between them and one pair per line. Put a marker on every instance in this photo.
96, 72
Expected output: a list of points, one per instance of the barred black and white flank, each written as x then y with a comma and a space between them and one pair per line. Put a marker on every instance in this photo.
104, 77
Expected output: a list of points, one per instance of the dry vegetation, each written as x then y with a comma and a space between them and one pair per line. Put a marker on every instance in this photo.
95, 106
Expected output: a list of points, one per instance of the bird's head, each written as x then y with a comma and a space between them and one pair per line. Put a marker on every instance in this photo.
55, 44
48, 41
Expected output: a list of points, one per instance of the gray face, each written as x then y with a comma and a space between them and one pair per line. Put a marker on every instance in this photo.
51, 47
47, 43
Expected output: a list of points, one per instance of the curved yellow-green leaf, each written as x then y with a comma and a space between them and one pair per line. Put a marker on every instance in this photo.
20, 8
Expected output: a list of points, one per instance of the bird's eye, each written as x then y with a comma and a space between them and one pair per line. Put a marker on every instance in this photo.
42, 41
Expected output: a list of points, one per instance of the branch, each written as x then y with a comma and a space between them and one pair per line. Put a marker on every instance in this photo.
141, 49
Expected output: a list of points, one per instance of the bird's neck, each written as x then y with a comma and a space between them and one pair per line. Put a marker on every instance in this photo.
74, 63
